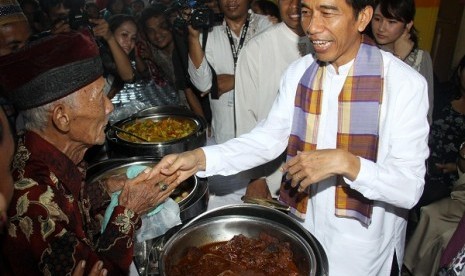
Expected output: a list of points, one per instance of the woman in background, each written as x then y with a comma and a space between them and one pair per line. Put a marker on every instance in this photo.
393, 30
163, 54
124, 30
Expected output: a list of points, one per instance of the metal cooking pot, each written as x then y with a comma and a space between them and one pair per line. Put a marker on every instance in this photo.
119, 147
223, 223
190, 206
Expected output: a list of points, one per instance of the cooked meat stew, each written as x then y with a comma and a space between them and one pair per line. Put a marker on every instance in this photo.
241, 255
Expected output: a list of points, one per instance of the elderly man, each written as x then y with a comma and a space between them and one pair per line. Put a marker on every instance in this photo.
54, 219
354, 121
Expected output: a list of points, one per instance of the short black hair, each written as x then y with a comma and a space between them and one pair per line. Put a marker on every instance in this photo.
116, 20
400, 10
154, 10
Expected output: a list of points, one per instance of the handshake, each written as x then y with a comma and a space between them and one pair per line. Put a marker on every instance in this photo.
152, 187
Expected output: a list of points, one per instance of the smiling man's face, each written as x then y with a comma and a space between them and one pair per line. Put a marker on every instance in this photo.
333, 29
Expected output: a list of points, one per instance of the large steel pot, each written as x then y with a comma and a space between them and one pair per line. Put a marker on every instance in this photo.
118, 147
223, 223
190, 206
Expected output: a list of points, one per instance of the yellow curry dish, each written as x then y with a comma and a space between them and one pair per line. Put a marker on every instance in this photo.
156, 130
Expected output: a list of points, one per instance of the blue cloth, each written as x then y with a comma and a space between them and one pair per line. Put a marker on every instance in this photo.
131, 172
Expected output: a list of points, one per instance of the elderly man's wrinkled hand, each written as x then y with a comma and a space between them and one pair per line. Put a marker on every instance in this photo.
115, 183
142, 194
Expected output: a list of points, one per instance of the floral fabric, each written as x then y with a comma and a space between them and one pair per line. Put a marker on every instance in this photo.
446, 135
54, 218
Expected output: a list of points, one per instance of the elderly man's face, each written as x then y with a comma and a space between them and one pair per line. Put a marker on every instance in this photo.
89, 116
333, 29
13, 36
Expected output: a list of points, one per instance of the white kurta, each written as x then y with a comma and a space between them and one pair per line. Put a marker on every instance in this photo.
395, 182
219, 55
259, 69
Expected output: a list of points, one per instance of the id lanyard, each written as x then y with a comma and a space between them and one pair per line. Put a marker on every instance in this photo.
235, 52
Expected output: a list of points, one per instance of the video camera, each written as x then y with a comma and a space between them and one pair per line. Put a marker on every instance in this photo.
78, 19
201, 16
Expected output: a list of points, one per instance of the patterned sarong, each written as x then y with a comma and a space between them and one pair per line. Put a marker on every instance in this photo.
358, 126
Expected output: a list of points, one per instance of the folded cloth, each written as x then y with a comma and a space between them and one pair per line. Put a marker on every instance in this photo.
156, 222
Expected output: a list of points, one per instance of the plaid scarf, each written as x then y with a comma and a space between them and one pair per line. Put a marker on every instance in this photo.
358, 125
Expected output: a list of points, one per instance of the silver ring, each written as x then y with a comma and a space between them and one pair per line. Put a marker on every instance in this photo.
163, 186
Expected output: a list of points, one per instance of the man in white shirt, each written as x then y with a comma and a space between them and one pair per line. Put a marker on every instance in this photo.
259, 68
223, 45
238, 27
358, 241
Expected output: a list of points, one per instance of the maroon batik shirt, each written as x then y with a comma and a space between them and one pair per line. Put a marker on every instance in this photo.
54, 218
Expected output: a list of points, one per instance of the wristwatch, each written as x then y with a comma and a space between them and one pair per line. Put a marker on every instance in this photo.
461, 154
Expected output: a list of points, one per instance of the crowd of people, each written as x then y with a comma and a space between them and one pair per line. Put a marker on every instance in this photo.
327, 106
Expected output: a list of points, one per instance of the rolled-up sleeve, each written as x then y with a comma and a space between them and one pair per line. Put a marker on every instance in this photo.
201, 77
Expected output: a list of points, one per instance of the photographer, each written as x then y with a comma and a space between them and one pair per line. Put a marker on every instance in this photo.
212, 71
56, 16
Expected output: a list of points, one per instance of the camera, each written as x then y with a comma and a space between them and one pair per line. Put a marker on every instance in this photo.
78, 20
201, 16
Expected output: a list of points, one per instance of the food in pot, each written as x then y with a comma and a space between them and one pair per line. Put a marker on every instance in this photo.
164, 130
180, 197
241, 255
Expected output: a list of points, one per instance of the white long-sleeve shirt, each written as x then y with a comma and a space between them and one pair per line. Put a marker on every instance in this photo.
219, 55
395, 182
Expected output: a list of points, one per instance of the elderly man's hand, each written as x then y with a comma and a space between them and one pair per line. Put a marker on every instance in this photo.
179, 167
115, 183
310, 167
141, 194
